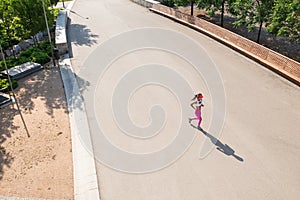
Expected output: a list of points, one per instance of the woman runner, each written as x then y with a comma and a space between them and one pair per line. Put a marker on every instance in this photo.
198, 104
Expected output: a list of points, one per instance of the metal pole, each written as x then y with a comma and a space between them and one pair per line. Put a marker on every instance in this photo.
13, 93
52, 54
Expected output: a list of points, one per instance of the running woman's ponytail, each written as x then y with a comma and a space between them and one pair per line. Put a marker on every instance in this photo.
194, 97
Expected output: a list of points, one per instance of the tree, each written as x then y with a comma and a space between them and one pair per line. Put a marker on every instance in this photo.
192, 2
212, 6
252, 12
32, 15
285, 19
6, 18
185, 3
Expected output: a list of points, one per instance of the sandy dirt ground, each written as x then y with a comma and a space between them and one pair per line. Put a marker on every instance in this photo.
39, 166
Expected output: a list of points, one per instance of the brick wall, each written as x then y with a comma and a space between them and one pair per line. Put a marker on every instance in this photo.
273, 60
281, 64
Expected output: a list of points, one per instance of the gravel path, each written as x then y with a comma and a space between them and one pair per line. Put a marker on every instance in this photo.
39, 166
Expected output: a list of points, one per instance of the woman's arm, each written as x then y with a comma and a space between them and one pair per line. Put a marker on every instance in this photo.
192, 105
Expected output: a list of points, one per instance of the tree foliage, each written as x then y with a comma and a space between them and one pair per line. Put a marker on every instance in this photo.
7, 16
285, 19
252, 12
186, 2
32, 15
20, 19
212, 6
281, 17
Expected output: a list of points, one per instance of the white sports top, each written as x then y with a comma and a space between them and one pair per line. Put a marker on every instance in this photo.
199, 103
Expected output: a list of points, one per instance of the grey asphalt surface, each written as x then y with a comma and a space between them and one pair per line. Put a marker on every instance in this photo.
257, 153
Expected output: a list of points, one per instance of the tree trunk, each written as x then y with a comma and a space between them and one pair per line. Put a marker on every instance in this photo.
192, 8
222, 15
259, 31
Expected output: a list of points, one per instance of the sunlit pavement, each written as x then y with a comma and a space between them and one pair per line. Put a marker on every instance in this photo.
256, 155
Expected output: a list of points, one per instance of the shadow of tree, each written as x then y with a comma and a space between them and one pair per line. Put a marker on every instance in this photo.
84, 36
43, 87
7, 115
47, 84
75, 89
5, 160
224, 148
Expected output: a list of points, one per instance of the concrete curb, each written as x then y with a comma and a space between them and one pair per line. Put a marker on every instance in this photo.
84, 170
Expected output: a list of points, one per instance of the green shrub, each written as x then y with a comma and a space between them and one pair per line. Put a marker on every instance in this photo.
4, 85
10, 62
22, 59
40, 57
169, 3
55, 11
27, 53
2, 67
40, 54
45, 47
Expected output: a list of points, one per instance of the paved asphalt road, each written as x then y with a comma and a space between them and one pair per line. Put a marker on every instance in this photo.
255, 157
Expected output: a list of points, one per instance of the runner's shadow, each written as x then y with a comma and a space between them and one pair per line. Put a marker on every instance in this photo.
224, 148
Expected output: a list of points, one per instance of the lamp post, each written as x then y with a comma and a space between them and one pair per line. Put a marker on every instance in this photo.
52, 54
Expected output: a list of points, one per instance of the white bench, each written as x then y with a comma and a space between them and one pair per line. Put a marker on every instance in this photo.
22, 70
61, 32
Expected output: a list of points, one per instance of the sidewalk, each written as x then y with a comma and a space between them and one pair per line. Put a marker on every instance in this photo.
85, 177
